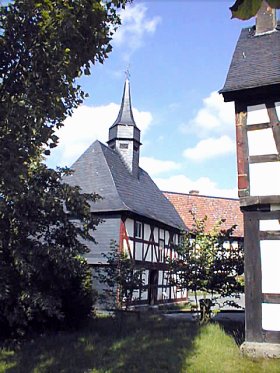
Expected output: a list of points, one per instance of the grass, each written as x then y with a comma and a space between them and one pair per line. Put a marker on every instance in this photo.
215, 351
154, 344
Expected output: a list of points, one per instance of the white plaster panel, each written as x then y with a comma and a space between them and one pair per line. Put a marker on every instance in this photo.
160, 277
271, 225
155, 252
144, 295
145, 277
257, 114
270, 259
270, 316
275, 207
261, 142
138, 251
265, 179
161, 234
165, 293
156, 234
136, 294
149, 254
129, 225
147, 232
166, 237
131, 245
125, 247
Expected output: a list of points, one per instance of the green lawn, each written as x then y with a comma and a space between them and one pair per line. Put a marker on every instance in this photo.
154, 344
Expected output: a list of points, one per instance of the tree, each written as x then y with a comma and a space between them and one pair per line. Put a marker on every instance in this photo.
207, 263
121, 278
45, 46
44, 279
246, 9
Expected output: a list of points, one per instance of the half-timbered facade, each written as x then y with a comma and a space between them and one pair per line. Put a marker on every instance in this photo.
135, 213
151, 245
253, 82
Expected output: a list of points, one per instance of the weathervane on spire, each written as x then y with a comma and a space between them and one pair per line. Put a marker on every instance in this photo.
127, 72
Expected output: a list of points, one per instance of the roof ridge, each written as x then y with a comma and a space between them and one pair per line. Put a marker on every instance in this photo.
85, 151
200, 195
104, 147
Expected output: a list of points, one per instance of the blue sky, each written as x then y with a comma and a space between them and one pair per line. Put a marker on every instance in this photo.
178, 53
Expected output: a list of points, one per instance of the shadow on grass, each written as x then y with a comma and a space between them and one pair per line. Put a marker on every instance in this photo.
235, 329
153, 344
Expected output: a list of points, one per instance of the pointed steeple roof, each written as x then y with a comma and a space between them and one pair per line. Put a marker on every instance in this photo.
124, 135
125, 115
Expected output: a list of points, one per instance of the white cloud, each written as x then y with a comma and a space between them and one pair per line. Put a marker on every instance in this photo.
87, 124
205, 186
215, 117
210, 148
135, 26
156, 166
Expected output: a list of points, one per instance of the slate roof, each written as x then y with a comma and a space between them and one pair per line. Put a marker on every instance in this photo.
255, 61
101, 170
214, 207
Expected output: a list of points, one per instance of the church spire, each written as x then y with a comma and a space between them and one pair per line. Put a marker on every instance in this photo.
125, 115
124, 135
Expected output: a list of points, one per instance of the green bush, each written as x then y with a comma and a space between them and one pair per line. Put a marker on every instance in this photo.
44, 280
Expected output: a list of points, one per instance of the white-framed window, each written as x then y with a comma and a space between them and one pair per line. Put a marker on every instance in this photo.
138, 229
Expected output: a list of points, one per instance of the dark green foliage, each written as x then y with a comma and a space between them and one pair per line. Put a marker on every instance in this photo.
120, 278
44, 279
207, 263
45, 46
245, 9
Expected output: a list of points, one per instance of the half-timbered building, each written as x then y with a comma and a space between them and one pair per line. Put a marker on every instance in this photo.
134, 211
253, 83
214, 208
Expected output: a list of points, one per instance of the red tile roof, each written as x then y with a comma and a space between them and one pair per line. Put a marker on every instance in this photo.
214, 208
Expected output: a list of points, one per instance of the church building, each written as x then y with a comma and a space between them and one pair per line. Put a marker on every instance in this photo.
135, 213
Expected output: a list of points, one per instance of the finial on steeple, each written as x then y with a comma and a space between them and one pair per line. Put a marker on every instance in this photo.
127, 72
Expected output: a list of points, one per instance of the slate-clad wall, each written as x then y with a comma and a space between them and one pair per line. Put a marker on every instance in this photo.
105, 232
124, 132
129, 155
